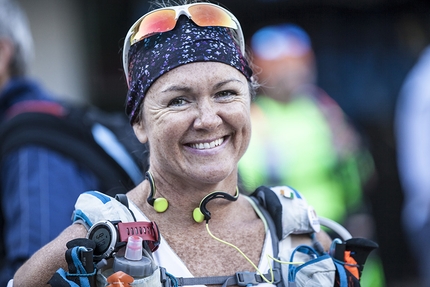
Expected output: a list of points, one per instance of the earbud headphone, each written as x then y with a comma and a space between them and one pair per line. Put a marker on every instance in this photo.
160, 204
200, 213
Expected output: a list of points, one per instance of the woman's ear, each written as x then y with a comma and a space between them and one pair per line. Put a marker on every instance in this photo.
140, 132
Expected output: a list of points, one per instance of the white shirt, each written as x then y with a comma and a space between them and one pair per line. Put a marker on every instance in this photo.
167, 258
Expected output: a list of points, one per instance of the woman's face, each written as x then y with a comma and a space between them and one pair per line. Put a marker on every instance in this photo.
197, 121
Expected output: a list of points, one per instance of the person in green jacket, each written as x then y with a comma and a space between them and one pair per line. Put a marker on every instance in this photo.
300, 135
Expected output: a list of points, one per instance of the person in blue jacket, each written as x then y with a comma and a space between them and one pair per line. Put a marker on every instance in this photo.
38, 185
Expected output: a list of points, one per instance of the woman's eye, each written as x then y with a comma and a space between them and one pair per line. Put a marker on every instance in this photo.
225, 94
177, 102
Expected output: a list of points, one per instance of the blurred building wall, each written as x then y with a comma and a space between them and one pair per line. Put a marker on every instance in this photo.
59, 61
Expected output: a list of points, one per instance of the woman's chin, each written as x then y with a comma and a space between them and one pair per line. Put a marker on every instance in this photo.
211, 175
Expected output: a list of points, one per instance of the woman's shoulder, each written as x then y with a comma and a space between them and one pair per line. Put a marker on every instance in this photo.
94, 206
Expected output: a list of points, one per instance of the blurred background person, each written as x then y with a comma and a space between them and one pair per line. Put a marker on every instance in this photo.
302, 138
38, 185
413, 149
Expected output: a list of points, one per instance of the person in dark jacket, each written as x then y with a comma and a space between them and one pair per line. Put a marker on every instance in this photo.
38, 185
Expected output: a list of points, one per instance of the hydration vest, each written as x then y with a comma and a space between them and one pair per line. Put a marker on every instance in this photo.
284, 211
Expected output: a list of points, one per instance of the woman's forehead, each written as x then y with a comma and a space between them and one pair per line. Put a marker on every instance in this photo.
199, 73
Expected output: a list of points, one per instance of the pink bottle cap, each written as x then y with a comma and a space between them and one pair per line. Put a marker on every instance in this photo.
133, 251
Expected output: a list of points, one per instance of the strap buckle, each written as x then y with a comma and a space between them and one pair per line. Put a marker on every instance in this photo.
245, 278
276, 276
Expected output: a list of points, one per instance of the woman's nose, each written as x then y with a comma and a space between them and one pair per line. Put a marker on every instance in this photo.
207, 115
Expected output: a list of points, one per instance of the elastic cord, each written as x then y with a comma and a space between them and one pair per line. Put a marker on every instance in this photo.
243, 254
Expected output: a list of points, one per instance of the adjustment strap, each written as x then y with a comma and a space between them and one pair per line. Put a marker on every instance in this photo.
148, 231
239, 278
342, 274
81, 268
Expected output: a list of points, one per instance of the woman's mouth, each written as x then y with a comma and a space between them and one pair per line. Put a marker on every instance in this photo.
207, 145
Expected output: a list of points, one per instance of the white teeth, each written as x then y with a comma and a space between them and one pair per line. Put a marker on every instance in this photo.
212, 144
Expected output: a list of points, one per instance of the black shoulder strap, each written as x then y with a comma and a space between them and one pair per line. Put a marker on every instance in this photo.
68, 135
121, 197
270, 202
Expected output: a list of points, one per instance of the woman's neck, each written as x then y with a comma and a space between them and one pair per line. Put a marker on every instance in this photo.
181, 202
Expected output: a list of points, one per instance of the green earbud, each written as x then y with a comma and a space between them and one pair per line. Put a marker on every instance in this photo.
198, 215
161, 204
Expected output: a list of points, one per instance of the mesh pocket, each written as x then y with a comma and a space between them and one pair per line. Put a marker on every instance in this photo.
318, 270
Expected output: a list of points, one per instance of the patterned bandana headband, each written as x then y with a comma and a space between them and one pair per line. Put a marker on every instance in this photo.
186, 43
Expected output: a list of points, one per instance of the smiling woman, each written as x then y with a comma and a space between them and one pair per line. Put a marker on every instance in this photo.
198, 114
190, 90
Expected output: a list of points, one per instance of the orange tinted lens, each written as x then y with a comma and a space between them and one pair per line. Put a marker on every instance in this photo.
157, 22
208, 15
